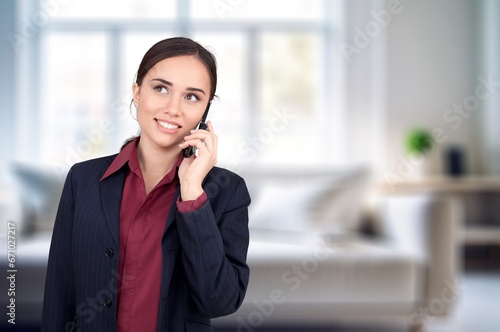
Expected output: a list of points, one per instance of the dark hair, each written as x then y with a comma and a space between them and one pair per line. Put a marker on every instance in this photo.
172, 47
178, 46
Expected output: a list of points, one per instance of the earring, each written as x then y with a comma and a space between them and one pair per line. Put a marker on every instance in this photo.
136, 110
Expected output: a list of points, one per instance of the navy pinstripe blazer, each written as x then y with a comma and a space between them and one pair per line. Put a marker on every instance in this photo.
204, 270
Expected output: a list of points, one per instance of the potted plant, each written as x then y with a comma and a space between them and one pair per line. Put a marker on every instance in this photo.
419, 143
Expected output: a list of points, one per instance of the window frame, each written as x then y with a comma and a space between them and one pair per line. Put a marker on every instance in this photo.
329, 29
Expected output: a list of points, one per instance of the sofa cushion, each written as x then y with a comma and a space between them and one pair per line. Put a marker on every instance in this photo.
356, 271
307, 201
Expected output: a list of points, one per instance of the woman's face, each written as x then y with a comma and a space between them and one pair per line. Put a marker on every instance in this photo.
171, 100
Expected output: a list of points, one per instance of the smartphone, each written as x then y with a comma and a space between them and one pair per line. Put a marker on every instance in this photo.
190, 150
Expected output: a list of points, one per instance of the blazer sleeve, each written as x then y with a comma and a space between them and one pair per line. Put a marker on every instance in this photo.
59, 297
214, 250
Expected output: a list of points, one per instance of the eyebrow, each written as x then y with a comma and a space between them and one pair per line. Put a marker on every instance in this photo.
168, 83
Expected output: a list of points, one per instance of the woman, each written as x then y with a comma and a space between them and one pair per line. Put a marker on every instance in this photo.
150, 240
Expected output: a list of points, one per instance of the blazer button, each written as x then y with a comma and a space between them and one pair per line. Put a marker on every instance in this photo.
107, 303
109, 252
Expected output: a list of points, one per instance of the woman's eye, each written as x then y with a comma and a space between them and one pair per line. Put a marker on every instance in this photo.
161, 89
192, 97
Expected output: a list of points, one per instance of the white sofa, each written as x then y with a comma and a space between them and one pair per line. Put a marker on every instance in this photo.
320, 273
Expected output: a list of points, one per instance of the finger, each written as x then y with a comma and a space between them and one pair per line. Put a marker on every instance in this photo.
198, 134
214, 142
209, 130
210, 126
193, 142
207, 138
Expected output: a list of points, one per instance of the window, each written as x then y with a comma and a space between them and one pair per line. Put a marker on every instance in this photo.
276, 76
73, 94
257, 10
116, 9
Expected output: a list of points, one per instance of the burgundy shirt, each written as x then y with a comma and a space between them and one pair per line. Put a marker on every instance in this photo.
142, 222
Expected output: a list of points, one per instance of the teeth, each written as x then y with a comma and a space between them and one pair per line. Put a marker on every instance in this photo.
167, 125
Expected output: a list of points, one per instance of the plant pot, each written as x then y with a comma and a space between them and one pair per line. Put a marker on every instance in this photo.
421, 165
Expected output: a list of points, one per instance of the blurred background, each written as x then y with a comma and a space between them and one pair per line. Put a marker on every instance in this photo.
348, 119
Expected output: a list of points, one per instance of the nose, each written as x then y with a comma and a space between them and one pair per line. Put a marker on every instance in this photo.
172, 106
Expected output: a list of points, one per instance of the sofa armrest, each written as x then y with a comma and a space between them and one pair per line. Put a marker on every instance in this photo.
445, 216
427, 226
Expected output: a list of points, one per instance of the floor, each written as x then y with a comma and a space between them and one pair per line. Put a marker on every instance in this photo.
477, 310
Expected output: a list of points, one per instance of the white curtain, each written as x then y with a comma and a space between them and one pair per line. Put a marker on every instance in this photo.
491, 65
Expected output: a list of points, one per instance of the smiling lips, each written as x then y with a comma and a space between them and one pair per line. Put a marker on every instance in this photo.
167, 125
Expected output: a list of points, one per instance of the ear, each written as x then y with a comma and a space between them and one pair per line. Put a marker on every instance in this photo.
136, 90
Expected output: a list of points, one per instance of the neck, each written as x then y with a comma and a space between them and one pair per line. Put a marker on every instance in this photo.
155, 160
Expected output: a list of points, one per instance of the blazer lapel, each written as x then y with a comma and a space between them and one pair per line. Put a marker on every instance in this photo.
172, 212
111, 196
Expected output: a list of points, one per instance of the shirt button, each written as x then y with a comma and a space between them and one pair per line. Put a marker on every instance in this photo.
109, 252
107, 303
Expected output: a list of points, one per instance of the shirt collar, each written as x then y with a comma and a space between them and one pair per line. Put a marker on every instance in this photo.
129, 154
122, 158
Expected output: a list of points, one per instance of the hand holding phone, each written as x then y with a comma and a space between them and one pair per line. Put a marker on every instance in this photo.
190, 150
192, 171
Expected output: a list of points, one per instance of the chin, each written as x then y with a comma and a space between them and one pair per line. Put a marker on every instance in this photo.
167, 144
164, 142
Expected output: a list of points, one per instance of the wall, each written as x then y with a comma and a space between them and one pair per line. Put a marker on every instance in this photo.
432, 63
